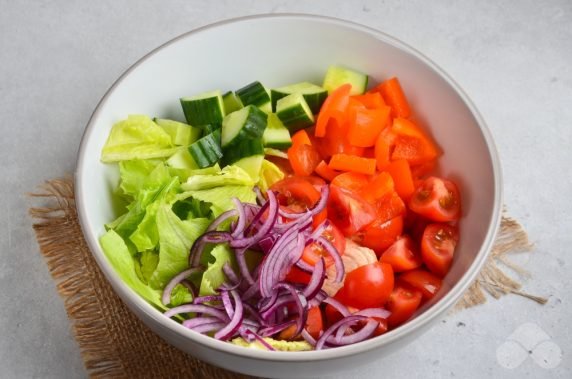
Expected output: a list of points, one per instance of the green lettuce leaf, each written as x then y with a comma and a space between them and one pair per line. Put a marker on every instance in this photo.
228, 176
121, 260
136, 137
137, 174
148, 264
213, 276
180, 295
269, 174
175, 240
220, 197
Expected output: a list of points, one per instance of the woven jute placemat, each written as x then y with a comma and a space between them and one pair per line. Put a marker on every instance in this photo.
114, 343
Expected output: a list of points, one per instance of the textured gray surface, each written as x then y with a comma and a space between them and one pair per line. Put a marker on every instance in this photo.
513, 58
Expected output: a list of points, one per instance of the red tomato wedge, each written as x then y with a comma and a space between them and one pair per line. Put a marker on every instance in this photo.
403, 302
334, 107
313, 252
351, 181
348, 212
426, 282
300, 193
379, 235
437, 199
438, 246
367, 286
403, 255
314, 325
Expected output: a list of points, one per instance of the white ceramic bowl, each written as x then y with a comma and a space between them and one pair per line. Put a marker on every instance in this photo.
279, 50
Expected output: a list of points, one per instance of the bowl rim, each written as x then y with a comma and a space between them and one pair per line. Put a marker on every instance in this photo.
432, 313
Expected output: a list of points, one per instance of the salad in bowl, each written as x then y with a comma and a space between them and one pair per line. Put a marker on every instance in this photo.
303, 217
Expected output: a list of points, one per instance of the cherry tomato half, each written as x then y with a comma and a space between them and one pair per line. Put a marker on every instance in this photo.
437, 199
438, 246
348, 212
426, 282
403, 302
300, 193
403, 255
379, 235
367, 286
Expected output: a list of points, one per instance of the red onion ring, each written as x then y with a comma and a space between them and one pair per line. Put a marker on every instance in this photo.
166, 298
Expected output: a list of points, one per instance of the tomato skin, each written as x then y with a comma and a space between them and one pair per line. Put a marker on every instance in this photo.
298, 276
351, 181
403, 302
348, 212
300, 193
426, 282
438, 246
314, 251
333, 316
367, 286
403, 255
437, 199
380, 235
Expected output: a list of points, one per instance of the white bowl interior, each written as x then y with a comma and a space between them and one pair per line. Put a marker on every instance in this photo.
279, 51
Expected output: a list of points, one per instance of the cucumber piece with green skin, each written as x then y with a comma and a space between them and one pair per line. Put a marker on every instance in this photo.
251, 165
206, 108
294, 112
209, 128
255, 94
276, 135
207, 150
337, 75
313, 94
182, 159
244, 124
181, 133
275, 153
231, 102
242, 149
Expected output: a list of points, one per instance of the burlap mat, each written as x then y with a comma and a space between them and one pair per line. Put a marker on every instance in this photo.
114, 343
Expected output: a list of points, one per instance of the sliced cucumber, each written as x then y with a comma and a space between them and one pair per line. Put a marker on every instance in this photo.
231, 102
251, 165
181, 134
209, 128
294, 112
337, 75
242, 149
206, 108
313, 94
246, 123
182, 159
255, 94
276, 135
207, 151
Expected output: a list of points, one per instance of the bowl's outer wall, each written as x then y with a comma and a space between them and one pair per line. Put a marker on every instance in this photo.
279, 51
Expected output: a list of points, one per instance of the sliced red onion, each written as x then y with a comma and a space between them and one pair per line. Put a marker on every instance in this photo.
304, 266
230, 274
291, 215
243, 266
231, 328
365, 332
339, 306
374, 312
259, 196
279, 261
196, 308
332, 329
196, 321
272, 330
166, 298
206, 299
211, 327
253, 312
200, 243
264, 229
191, 287
340, 270
301, 305
267, 242
321, 205
316, 280
308, 337
270, 310
241, 218
222, 218
300, 223
320, 230
227, 304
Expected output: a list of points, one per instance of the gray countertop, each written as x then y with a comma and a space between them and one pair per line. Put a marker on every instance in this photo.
513, 58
